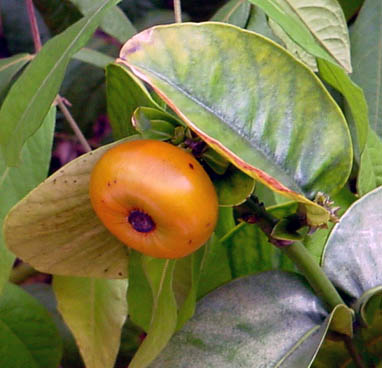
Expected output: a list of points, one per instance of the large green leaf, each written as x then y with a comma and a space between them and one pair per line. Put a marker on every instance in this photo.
55, 229
352, 257
280, 125
115, 22
125, 93
95, 311
159, 273
366, 42
9, 68
15, 183
28, 335
234, 12
267, 320
31, 96
370, 167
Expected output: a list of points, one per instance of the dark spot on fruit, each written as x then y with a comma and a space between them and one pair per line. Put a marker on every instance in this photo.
65, 181
74, 181
190, 241
191, 166
105, 270
207, 225
108, 183
120, 273
115, 181
141, 221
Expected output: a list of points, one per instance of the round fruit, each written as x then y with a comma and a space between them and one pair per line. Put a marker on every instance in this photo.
154, 197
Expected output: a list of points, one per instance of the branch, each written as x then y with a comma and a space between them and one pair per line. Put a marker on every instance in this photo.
34, 26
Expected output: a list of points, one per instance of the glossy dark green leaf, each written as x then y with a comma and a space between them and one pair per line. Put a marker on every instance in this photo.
9, 68
17, 182
366, 42
356, 108
31, 96
233, 187
207, 84
370, 166
267, 320
95, 311
159, 273
124, 94
235, 12
28, 335
115, 21
93, 57
352, 257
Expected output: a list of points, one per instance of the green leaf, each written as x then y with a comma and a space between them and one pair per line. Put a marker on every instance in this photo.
297, 145
355, 99
124, 94
366, 42
350, 8
28, 335
235, 12
370, 168
93, 57
258, 23
9, 67
326, 22
154, 124
299, 27
115, 22
139, 293
294, 48
233, 187
215, 268
95, 311
160, 275
15, 183
31, 96
267, 320
352, 256
55, 229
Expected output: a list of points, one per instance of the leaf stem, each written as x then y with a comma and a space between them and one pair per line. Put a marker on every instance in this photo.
178, 11
34, 26
315, 275
73, 124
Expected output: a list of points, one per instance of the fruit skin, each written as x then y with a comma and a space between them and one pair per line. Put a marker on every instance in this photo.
159, 180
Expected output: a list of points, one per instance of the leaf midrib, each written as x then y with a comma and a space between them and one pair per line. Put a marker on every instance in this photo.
211, 111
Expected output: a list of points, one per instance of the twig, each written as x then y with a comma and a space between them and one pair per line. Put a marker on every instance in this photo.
34, 26
73, 124
178, 11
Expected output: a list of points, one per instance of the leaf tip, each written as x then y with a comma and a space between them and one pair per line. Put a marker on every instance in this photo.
134, 44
